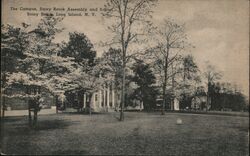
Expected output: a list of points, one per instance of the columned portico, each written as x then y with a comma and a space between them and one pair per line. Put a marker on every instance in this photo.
102, 100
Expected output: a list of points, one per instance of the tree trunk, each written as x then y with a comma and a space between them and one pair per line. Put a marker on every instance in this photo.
3, 107
173, 89
116, 101
37, 108
3, 98
35, 118
56, 102
123, 93
29, 107
124, 44
165, 83
2, 123
208, 94
123, 85
184, 95
29, 111
164, 100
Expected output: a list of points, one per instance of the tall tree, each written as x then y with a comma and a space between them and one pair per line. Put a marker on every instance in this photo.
171, 39
190, 79
41, 67
128, 17
80, 48
144, 78
13, 41
211, 75
227, 96
90, 81
113, 58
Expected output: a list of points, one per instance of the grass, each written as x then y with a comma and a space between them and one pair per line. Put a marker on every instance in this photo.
140, 133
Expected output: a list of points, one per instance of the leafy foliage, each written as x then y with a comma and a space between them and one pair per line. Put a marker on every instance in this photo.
113, 59
80, 48
190, 78
12, 45
144, 78
225, 96
41, 67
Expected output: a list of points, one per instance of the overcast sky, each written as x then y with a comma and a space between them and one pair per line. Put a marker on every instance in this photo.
218, 29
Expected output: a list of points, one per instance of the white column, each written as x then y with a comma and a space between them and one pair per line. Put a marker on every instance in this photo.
100, 98
108, 92
176, 104
84, 100
104, 97
172, 105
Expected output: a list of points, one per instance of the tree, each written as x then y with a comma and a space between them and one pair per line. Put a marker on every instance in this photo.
42, 68
113, 58
190, 68
226, 96
211, 75
190, 79
12, 44
128, 16
144, 78
171, 39
90, 81
80, 48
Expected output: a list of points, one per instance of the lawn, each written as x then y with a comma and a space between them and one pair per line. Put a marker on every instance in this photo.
140, 133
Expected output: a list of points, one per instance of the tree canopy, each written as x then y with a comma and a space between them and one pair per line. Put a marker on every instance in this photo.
79, 47
145, 79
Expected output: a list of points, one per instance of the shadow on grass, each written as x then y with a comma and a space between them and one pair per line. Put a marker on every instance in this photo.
93, 114
117, 117
17, 129
13, 119
52, 124
240, 128
83, 113
70, 152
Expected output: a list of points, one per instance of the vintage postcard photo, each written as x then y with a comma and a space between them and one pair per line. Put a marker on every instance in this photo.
125, 77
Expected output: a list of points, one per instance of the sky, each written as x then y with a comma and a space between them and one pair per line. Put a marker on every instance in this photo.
219, 29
